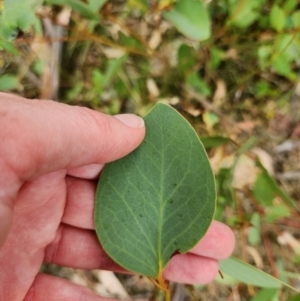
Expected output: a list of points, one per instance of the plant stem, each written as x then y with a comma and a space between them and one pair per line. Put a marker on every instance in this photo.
168, 295
163, 285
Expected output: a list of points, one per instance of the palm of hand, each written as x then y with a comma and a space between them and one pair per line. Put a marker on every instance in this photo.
45, 229
37, 215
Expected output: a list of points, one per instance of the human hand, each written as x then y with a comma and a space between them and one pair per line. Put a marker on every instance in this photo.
51, 155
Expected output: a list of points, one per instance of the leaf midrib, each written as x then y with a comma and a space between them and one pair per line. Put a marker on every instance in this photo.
161, 209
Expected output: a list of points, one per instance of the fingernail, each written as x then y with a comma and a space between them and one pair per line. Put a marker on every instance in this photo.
131, 120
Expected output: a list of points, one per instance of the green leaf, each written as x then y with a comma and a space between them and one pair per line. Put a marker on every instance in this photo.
85, 10
277, 18
198, 84
296, 19
17, 14
186, 58
246, 12
264, 53
216, 57
294, 298
282, 66
97, 80
247, 273
266, 294
276, 212
8, 46
191, 18
254, 236
96, 4
214, 141
290, 5
210, 119
113, 67
158, 200
263, 190
272, 185
8, 82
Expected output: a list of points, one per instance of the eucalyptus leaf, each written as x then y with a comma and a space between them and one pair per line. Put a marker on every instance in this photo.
191, 18
158, 200
249, 274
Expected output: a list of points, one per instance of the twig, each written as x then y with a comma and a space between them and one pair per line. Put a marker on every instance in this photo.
51, 77
269, 252
203, 101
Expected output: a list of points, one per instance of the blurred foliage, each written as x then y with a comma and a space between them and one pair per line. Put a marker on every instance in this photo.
231, 67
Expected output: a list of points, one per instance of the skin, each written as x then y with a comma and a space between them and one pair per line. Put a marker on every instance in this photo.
51, 155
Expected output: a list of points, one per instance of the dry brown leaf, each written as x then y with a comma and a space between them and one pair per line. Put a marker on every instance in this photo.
245, 172
245, 126
152, 88
63, 18
158, 65
265, 159
175, 100
255, 256
112, 284
113, 53
231, 54
80, 278
155, 39
287, 146
287, 238
101, 290
227, 161
216, 159
220, 93
193, 111
114, 30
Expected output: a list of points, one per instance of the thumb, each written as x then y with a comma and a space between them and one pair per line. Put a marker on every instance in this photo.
39, 137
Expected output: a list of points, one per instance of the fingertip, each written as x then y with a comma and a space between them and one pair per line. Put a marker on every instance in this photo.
131, 120
191, 269
58, 136
88, 172
229, 241
218, 243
